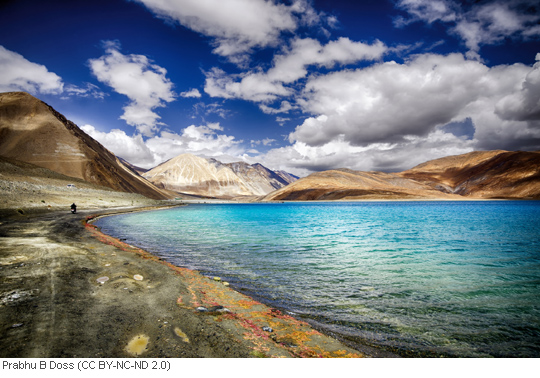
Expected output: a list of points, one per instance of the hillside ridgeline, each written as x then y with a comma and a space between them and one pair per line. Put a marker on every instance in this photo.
195, 175
476, 175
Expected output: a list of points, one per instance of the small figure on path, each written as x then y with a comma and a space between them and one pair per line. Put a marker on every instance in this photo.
73, 208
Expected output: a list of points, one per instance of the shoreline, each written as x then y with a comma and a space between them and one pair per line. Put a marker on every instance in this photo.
355, 343
77, 258
56, 301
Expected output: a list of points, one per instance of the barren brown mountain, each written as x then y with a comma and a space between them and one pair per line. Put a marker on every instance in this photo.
345, 184
482, 175
33, 132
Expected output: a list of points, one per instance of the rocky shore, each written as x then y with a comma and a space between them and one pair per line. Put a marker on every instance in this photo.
67, 290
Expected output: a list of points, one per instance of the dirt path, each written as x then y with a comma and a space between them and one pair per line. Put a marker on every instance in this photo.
52, 303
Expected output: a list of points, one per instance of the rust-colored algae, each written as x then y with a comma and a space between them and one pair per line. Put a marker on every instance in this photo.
247, 303
289, 337
299, 334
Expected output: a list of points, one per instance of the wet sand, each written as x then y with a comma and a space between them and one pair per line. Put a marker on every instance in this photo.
67, 290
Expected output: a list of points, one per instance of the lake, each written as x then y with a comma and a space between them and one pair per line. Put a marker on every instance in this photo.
415, 278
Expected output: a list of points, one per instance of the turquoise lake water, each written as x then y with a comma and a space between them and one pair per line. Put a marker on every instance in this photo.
425, 278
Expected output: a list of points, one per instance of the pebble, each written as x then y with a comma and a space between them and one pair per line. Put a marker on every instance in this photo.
217, 278
102, 280
17, 325
138, 277
267, 329
225, 284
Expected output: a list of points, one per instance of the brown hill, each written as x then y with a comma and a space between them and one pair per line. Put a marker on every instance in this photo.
33, 132
483, 174
345, 184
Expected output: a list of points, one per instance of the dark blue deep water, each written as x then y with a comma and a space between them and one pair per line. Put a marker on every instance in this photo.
436, 278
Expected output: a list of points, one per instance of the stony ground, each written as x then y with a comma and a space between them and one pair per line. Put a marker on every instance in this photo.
66, 290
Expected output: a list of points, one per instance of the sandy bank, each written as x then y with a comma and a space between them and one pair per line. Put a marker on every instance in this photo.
52, 303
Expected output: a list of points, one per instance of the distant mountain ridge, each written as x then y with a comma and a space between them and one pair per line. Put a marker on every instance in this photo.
133, 168
33, 132
479, 174
192, 174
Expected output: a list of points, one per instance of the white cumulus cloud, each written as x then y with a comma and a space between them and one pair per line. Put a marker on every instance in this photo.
19, 74
194, 93
136, 77
131, 148
288, 67
385, 102
236, 26
204, 140
389, 102
524, 103
435, 105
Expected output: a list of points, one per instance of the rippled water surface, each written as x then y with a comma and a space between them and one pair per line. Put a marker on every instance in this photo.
449, 278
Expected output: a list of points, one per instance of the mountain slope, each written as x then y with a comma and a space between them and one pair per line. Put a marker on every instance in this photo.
483, 174
191, 174
133, 168
259, 179
33, 132
345, 184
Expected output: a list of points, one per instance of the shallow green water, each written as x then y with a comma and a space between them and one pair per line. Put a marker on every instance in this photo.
450, 278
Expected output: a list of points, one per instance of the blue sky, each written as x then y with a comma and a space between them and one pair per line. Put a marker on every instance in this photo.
297, 85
